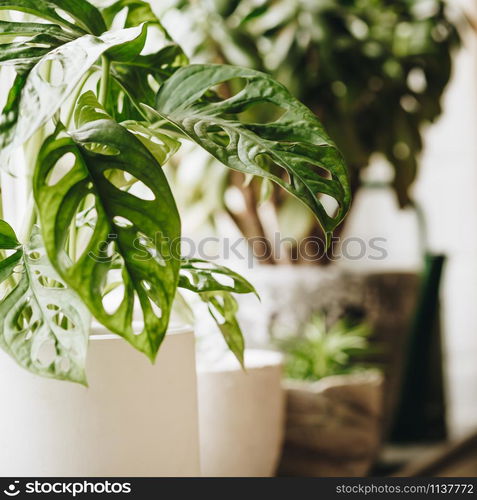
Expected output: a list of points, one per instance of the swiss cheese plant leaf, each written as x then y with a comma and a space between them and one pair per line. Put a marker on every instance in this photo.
36, 41
202, 276
23, 55
44, 326
88, 110
160, 144
214, 284
223, 309
129, 262
294, 151
36, 99
136, 12
83, 13
15, 29
137, 78
9, 116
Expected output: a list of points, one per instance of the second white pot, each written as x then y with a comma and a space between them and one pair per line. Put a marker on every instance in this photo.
241, 415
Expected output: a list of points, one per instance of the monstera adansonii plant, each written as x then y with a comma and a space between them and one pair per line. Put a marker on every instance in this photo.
101, 99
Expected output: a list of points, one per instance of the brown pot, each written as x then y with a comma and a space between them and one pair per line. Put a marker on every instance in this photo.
333, 426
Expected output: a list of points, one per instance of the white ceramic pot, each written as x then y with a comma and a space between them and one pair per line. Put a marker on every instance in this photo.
241, 415
135, 419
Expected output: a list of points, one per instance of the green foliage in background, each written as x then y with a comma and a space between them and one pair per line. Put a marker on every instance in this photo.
321, 352
374, 71
101, 99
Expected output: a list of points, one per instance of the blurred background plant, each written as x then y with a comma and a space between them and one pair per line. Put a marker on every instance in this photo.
373, 71
322, 352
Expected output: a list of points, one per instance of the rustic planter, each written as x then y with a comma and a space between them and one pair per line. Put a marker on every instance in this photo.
384, 300
333, 426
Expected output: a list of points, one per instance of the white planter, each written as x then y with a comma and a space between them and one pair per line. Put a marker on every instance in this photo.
241, 415
135, 419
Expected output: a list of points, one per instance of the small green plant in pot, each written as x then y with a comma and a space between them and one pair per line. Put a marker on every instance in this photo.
323, 352
334, 401
101, 99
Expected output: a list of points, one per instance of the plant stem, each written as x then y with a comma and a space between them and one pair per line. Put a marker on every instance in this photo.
69, 117
1, 201
29, 221
72, 239
103, 94
31, 151
104, 84
79, 88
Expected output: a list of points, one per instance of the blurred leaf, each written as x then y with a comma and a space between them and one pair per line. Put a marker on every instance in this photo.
85, 14
33, 99
294, 220
353, 63
320, 352
8, 238
159, 144
136, 12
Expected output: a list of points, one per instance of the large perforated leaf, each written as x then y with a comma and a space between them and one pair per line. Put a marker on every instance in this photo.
293, 151
132, 256
43, 325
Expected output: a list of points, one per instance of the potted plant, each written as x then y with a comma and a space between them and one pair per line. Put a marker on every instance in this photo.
100, 99
334, 404
375, 73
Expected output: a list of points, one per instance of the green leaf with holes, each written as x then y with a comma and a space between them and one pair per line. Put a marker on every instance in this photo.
130, 261
201, 276
293, 151
161, 145
36, 99
11, 30
36, 41
44, 326
223, 309
136, 82
88, 109
136, 12
166, 54
137, 78
214, 284
87, 17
